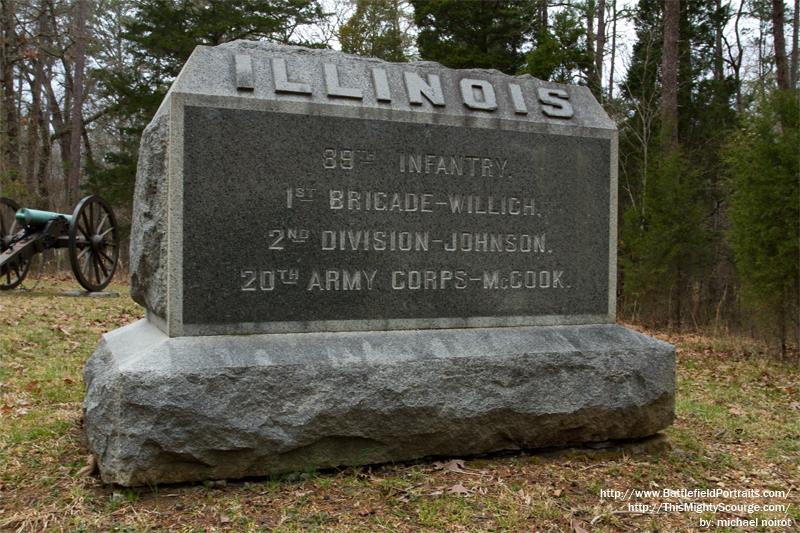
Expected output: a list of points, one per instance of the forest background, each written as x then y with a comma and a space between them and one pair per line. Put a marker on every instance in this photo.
705, 94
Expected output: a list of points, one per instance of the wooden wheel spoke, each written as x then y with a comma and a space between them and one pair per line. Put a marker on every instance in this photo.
95, 268
102, 223
85, 264
102, 266
85, 229
105, 256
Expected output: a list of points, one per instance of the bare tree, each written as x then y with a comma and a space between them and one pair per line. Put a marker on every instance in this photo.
614, 17
599, 54
76, 115
10, 117
735, 59
590, 47
646, 110
35, 82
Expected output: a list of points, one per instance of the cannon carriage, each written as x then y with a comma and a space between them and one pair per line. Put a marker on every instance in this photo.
90, 234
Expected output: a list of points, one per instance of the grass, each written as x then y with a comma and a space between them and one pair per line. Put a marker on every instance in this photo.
737, 427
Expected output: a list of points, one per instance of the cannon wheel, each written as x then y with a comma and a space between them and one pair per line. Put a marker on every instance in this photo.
93, 243
11, 275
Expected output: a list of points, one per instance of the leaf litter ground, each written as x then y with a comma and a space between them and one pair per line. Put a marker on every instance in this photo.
737, 427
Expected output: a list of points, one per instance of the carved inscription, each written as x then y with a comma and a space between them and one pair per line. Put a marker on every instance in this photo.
419, 89
376, 240
353, 219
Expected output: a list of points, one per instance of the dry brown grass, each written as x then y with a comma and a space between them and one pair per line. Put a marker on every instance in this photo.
738, 426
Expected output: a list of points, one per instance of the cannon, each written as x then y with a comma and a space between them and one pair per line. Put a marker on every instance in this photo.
90, 234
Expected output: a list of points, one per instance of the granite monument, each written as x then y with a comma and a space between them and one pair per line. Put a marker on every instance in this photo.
348, 261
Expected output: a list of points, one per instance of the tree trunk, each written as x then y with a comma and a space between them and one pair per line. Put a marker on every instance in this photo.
719, 72
32, 144
45, 143
76, 115
600, 45
736, 63
63, 143
795, 26
87, 146
35, 115
541, 16
669, 68
43, 172
613, 50
591, 76
781, 64
8, 51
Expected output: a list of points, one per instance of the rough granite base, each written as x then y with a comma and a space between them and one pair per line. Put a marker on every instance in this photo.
164, 410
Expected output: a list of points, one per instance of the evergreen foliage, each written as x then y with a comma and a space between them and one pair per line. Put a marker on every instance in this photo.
560, 53
486, 34
764, 163
374, 30
664, 241
706, 114
159, 38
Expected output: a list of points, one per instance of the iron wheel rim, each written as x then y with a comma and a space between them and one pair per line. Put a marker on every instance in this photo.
11, 275
93, 243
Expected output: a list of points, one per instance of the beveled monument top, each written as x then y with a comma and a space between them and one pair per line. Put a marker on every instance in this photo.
284, 189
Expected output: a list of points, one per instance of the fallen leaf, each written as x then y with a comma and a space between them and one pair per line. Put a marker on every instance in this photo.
456, 466
458, 489
224, 519
736, 410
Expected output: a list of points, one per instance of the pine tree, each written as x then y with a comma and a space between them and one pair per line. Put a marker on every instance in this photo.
376, 30
665, 247
160, 35
764, 189
486, 34
560, 53
692, 112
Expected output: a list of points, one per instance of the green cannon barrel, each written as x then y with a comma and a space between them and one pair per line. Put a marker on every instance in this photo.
34, 217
